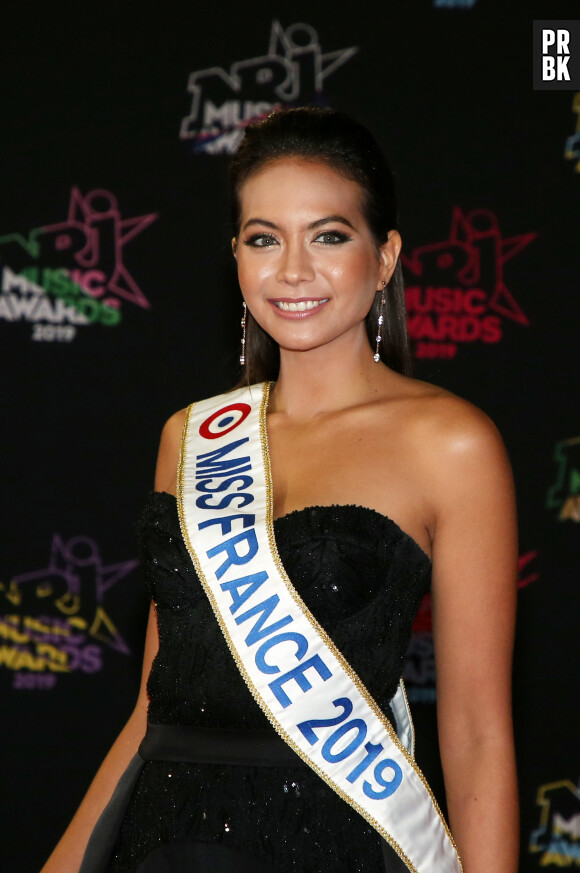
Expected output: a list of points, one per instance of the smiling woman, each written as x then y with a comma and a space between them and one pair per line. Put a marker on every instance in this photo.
308, 266
343, 157
313, 512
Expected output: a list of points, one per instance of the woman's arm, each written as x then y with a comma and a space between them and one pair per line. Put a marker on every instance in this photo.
474, 603
67, 856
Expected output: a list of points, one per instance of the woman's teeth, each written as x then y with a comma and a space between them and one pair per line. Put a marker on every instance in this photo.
299, 305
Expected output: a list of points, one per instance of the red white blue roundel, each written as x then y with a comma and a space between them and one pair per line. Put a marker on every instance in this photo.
224, 420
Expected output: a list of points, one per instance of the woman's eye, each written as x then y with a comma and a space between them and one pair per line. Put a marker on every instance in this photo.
260, 240
332, 237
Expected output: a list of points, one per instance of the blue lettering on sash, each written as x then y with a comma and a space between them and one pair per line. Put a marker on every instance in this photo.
248, 520
297, 673
223, 486
205, 473
299, 639
211, 463
244, 499
373, 750
217, 474
234, 556
388, 786
250, 583
265, 609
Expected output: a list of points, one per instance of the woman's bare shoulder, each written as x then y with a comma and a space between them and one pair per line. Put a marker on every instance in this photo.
169, 449
443, 419
173, 427
454, 441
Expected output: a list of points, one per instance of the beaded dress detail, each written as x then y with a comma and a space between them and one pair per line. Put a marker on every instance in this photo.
363, 578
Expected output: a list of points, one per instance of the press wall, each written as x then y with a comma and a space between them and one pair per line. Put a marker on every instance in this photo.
119, 305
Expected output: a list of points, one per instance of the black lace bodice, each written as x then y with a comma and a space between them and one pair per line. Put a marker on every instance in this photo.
363, 579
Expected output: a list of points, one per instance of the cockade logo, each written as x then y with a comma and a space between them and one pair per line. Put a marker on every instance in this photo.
456, 289
293, 71
53, 620
558, 834
71, 273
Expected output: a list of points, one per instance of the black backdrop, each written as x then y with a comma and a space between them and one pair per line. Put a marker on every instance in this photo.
119, 305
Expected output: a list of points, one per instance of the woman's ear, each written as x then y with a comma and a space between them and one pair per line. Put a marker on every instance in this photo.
234, 245
389, 255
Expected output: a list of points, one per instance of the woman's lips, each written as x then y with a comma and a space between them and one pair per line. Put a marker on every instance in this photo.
299, 308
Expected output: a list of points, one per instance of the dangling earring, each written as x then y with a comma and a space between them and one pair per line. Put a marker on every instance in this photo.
243, 323
379, 337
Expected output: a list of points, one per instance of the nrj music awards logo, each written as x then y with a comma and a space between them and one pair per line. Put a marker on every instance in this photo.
456, 288
54, 621
292, 71
71, 274
558, 836
564, 495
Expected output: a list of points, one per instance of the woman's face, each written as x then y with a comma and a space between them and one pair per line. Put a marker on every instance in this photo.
308, 265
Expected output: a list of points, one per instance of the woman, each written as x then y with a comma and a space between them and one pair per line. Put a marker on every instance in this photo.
380, 483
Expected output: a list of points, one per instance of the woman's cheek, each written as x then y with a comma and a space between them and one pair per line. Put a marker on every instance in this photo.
251, 276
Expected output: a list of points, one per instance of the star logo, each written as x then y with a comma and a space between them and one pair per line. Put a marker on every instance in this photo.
293, 71
88, 246
72, 588
98, 217
527, 575
474, 255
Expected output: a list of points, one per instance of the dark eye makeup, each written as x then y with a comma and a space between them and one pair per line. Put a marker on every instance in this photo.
332, 237
260, 240
327, 237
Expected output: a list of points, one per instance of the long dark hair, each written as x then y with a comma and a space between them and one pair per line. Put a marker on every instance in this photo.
345, 145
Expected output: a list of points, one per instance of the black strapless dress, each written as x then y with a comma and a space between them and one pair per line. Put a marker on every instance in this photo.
363, 579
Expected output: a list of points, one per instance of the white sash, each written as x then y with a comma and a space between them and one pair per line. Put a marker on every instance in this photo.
308, 691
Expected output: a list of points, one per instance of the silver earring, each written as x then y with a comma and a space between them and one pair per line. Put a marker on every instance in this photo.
243, 322
376, 356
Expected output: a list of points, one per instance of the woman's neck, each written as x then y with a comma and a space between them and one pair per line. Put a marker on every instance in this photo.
326, 380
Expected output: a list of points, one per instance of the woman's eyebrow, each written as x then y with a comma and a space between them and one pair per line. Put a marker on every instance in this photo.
260, 221
320, 221
331, 218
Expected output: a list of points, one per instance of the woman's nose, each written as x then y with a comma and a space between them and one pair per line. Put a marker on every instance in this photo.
295, 265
